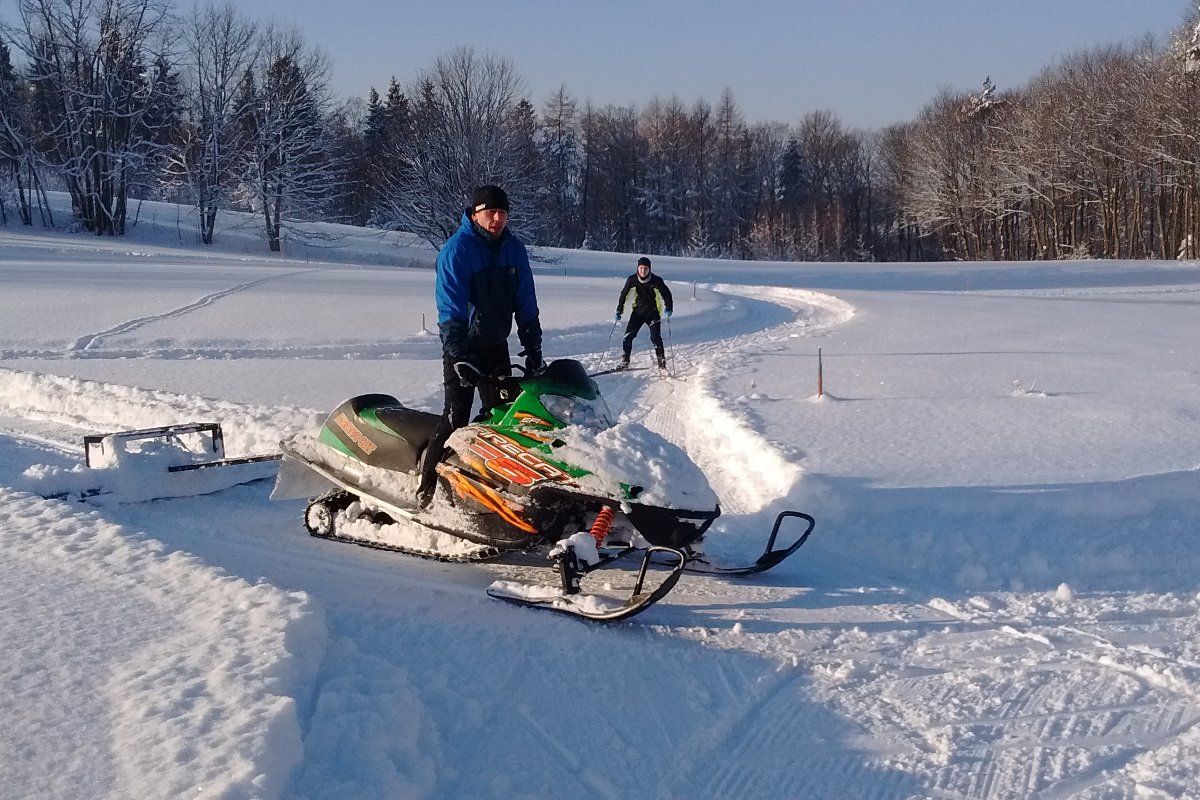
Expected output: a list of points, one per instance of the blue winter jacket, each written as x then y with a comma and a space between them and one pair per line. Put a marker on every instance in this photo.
483, 283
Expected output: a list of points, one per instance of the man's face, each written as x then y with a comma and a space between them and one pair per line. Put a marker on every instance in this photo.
643, 270
492, 220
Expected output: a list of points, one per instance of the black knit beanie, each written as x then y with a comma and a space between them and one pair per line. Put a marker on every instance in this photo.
643, 260
486, 197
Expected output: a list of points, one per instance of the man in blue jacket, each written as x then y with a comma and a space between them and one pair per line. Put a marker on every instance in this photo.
484, 283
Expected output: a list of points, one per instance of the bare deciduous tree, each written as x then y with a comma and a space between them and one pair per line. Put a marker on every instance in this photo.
289, 175
463, 136
90, 65
219, 47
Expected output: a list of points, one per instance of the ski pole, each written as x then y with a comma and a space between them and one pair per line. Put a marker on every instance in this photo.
608, 344
670, 345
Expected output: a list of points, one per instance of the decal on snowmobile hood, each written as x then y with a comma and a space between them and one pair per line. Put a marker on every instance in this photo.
507, 459
356, 435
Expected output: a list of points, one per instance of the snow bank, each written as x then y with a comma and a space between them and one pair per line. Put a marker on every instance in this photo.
98, 407
187, 687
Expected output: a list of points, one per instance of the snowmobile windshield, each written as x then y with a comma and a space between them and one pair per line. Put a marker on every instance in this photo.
579, 411
568, 377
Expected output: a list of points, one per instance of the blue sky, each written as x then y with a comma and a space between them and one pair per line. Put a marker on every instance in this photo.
871, 62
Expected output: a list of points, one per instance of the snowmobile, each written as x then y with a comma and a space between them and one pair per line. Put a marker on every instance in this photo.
547, 471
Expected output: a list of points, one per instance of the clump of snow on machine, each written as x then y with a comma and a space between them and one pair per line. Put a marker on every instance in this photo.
632, 453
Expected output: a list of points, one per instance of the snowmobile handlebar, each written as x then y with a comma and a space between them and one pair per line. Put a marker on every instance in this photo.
470, 375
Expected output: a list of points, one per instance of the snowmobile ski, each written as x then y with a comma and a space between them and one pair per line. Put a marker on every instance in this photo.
700, 565
598, 608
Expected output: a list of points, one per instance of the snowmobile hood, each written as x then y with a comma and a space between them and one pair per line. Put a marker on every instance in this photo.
561, 395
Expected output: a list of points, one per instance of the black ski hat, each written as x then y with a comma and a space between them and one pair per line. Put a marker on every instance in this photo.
486, 197
643, 260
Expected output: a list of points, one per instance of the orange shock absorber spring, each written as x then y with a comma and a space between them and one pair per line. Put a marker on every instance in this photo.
603, 522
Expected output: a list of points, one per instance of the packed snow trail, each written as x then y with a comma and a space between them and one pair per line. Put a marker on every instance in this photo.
752, 477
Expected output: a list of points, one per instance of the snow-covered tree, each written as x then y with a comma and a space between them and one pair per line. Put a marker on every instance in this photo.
461, 136
1185, 44
733, 183
560, 147
524, 131
15, 148
662, 192
288, 175
978, 104
612, 175
89, 63
219, 47
372, 152
764, 228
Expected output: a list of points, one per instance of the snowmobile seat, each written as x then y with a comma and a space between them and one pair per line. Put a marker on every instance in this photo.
415, 428
410, 430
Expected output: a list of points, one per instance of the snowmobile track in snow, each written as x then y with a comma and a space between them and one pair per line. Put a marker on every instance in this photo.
88, 342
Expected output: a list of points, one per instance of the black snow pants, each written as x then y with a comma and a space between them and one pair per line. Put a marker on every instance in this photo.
456, 411
636, 321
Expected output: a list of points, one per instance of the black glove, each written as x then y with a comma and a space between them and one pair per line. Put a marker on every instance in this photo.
533, 361
468, 374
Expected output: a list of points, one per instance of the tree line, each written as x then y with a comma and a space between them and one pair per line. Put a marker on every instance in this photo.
114, 101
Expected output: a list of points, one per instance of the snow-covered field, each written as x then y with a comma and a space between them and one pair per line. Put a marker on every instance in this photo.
1000, 599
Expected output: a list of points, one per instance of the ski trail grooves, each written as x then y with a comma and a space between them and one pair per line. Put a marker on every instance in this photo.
85, 343
1035, 727
744, 468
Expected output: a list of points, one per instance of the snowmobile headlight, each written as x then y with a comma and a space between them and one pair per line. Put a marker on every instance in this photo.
577, 411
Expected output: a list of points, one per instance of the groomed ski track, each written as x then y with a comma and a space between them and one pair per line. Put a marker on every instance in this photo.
809, 681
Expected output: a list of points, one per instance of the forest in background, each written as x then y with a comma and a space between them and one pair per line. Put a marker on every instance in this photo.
112, 101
